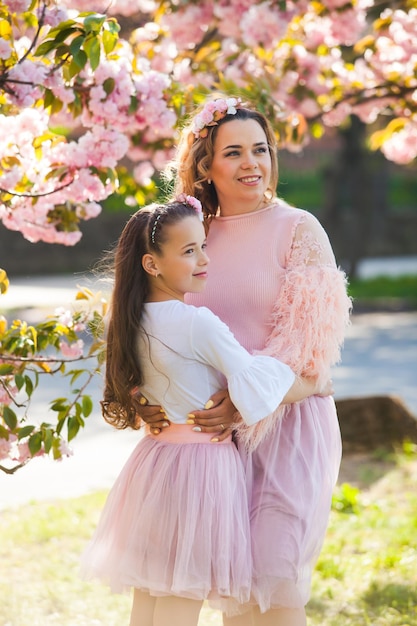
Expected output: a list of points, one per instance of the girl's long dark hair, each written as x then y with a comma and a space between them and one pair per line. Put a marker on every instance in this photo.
145, 232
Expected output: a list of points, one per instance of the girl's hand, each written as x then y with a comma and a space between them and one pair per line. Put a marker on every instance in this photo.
218, 416
153, 416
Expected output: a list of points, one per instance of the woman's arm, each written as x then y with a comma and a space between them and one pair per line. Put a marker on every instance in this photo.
312, 311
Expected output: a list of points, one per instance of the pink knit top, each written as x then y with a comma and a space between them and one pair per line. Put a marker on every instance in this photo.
248, 256
274, 281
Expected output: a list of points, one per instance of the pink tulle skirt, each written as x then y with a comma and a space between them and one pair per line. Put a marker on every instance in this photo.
176, 522
290, 479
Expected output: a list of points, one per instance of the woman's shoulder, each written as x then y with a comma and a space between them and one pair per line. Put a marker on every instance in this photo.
285, 211
288, 219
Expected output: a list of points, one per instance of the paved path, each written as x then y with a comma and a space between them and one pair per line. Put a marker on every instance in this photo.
379, 357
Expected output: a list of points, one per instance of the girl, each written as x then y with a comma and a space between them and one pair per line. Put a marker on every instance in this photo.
176, 525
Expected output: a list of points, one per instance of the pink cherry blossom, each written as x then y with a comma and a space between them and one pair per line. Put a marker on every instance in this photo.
23, 452
143, 173
6, 445
229, 16
262, 26
17, 6
64, 316
5, 49
72, 351
23, 80
187, 26
336, 116
54, 15
401, 147
64, 449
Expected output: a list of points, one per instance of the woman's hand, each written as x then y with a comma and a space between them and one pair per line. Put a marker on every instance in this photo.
153, 416
217, 417
326, 390
304, 387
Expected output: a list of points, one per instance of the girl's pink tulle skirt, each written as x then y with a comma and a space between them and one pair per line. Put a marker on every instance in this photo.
176, 522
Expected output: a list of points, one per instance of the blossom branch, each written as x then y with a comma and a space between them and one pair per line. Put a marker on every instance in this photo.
37, 195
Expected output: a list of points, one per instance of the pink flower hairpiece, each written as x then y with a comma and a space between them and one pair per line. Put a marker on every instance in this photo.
193, 202
212, 112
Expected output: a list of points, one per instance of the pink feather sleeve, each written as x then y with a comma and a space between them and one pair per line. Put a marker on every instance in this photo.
310, 320
310, 316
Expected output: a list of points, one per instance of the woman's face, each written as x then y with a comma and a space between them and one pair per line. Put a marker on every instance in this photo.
241, 167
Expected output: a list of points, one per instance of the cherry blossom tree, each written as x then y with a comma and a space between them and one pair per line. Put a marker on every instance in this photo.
308, 65
91, 91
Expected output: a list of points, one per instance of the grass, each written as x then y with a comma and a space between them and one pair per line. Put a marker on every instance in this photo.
365, 575
306, 188
385, 289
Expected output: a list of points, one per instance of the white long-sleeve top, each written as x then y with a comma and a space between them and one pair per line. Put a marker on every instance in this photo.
188, 353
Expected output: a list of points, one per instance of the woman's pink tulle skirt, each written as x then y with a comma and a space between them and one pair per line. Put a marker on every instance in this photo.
290, 479
176, 522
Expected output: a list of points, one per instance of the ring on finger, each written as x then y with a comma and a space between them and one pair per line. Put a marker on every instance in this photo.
222, 426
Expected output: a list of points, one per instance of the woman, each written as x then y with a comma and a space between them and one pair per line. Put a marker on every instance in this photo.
274, 281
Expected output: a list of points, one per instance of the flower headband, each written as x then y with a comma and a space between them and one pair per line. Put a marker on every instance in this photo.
212, 112
193, 202
183, 199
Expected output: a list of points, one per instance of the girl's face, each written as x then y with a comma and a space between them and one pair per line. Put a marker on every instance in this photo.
241, 167
182, 266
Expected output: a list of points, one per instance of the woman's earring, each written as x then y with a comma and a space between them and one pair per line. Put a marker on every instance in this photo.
209, 181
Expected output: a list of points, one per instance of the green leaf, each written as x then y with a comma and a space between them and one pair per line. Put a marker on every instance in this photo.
62, 52
9, 417
29, 385
76, 106
94, 22
62, 26
87, 405
73, 427
111, 26
63, 33
48, 98
45, 47
19, 380
93, 50
6, 369
134, 105
48, 437
59, 406
35, 443
73, 69
76, 44
109, 41
61, 421
80, 59
74, 375
56, 106
25, 431
108, 85
4, 433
